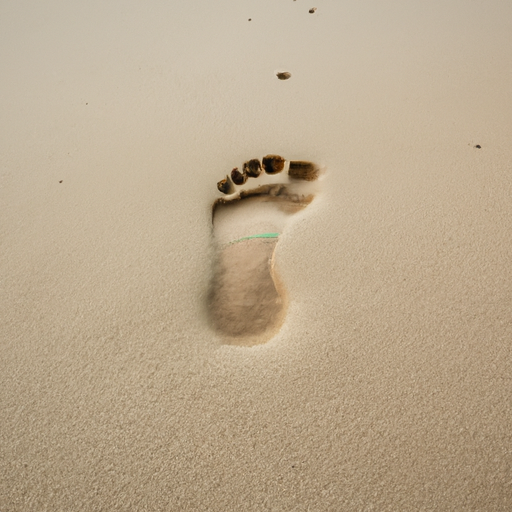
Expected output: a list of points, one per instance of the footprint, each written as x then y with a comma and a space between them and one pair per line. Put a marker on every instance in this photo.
247, 301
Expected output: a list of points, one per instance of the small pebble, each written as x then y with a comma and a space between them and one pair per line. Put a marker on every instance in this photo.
283, 76
478, 146
312, 10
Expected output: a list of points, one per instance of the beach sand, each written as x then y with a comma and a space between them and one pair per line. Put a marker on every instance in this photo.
385, 383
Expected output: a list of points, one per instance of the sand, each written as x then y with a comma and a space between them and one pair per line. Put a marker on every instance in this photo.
388, 385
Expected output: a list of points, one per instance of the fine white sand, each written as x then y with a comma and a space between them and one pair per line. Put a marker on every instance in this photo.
389, 385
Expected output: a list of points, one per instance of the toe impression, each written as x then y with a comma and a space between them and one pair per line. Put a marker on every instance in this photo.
301, 170
252, 168
273, 164
237, 177
226, 186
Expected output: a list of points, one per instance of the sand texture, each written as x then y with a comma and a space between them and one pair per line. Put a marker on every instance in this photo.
381, 377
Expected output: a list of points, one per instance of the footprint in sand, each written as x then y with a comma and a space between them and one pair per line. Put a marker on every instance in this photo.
247, 302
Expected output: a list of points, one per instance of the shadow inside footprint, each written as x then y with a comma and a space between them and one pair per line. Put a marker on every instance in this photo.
247, 302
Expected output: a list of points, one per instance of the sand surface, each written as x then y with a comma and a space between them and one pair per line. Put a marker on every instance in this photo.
389, 385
